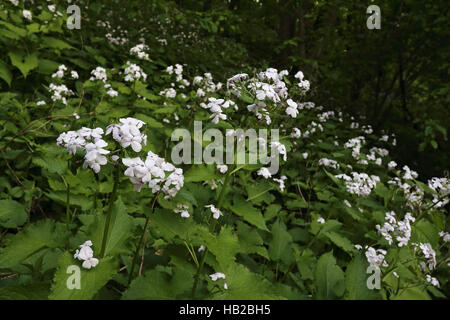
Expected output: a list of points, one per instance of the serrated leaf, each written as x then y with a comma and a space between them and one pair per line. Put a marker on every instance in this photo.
91, 280
30, 240
329, 278
248, 212
12, 214
161, 284
280, 247
25, 63
5, 74
356, 280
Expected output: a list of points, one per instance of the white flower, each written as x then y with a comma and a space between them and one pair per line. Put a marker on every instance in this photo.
445, 236
216, 212
376, 257
133, 72
183, 210
127, 133
392, 165
328, 163
296, 133
202, 248
90, 263
280, 148
222, 168
74, 74
299, 75
429, 254
27, 14
112, 93
321, 220
347, 203
40, 103
86, 255
139, 50
94, 157
433, 280
305, 155
264, 172
217, 275
98, 73
281, 182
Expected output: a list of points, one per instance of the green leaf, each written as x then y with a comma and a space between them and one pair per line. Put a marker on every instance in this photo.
49, 42
12, 214
250, 241
341, 241
121, 227
280, 248
248, 212
329, 278
244, 284
34, 237
91, 280
161, 284
25, 63
356, 280
224, 246
5, 74
201, 172
31, 291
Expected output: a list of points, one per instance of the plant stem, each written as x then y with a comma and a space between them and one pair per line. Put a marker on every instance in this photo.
109, 213
219, 206
68, 208
136, 253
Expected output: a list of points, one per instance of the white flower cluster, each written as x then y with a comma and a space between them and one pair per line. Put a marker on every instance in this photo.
128, 133
98, 73
133, 73
183, 210
215, 107
433, 281
168, 93
60, 73
86, 254
216, 212
328, 163
376, 257
296, 133
445, 236
442, 188
89, 140
360, 184
355, 144
429, 254
409, 174
139, 51
304, 85
60, 92
401, 230
207, 84
111, 92
153, 172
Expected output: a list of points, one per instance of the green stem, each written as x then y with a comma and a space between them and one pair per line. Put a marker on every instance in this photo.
68, 208
109, 213
219, 206
136, 252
